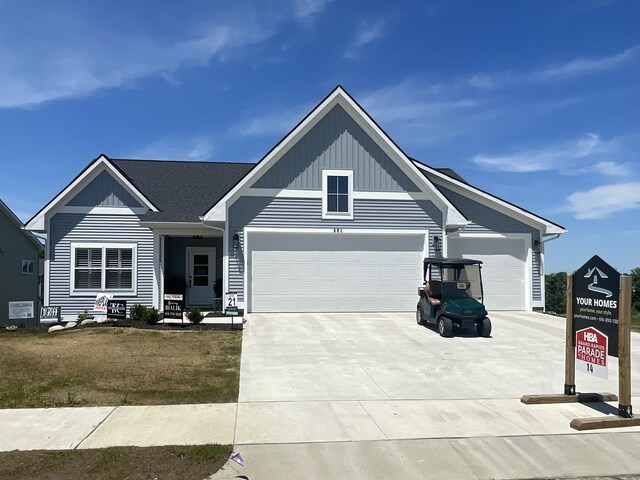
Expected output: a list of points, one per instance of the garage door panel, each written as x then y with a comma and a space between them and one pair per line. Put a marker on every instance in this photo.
503, 268
334, 272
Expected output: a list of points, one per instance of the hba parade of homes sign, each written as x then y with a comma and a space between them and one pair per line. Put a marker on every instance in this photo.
596, 296
591, 352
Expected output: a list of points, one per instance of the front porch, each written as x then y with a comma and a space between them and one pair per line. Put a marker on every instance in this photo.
189, 262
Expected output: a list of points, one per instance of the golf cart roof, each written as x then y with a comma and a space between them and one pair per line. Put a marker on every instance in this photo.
451, 261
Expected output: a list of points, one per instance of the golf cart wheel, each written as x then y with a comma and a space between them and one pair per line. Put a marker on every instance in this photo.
484, 327
419, 319
445, 327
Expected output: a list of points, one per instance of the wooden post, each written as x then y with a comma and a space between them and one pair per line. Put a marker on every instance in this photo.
624, 347
569, 349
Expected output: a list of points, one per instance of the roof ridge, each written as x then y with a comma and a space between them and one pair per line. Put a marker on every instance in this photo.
179, 161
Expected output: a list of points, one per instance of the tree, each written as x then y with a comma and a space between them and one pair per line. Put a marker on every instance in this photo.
635, 289
556, 293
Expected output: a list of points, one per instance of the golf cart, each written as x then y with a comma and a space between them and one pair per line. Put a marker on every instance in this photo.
451, 296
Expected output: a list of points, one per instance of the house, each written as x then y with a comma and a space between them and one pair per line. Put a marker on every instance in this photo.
20, 255
336, 217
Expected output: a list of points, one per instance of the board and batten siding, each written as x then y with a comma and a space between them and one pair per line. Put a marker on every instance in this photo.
486, 220
307, 213
68, 228
336, 142
104, 191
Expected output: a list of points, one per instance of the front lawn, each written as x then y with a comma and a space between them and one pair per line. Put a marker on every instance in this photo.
159, 463
119, 366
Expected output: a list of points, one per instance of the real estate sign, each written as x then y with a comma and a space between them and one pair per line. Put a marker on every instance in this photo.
48, 313
591, 352
596, 296
173, 305
20, 310
117, 309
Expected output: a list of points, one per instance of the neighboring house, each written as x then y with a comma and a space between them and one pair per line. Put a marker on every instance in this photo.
336, 217
20, 255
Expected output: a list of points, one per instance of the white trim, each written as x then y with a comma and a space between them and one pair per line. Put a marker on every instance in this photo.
357, 195
132, 292
338, 97
47, 265
102, 163
156, 270
187, 231
492, 201
162, 254
528, 280
325, 231
99, 210
348, 215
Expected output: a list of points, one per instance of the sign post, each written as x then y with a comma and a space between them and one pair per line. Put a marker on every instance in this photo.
592, 307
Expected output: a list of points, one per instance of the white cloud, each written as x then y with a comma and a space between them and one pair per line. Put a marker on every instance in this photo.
79, 57
604, 201
367, 33
173, 148
573, 68
304, 9
586, 154
274, 122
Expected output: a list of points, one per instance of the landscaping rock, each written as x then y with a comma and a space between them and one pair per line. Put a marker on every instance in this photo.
71, 325
88, 321
104, 320
55, 328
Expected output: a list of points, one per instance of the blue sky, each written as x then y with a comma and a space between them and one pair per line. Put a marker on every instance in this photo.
536, 102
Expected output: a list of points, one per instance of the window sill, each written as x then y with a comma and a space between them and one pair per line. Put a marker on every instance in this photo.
93, 293
337, 216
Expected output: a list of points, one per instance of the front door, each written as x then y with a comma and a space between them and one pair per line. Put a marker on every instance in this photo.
201, 275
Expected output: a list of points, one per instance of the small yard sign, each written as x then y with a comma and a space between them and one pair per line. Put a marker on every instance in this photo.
48, 314
20, 310
173, 305
231, 303
591, 352
102, 299
117, 309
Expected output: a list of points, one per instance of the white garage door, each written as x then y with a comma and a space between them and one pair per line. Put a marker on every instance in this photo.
503, 269
334, 272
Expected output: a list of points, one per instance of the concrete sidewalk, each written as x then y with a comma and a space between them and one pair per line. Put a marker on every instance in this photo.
98, 427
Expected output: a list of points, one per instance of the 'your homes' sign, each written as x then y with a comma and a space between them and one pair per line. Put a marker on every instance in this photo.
596, 295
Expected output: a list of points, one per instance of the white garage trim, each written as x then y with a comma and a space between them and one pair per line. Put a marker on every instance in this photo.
528, 287
246, 304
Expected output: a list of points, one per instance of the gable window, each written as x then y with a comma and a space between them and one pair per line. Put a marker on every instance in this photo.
337, 194
103, 268
27, 266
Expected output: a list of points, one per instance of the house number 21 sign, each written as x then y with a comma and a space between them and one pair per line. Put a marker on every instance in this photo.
231, 303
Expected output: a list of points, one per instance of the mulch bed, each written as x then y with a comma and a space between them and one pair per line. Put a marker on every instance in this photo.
186, 326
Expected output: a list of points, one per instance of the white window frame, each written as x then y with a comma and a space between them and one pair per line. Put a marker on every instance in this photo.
29, 263
348, 215
104, 246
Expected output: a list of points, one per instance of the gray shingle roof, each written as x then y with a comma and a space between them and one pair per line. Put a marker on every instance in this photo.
182, 191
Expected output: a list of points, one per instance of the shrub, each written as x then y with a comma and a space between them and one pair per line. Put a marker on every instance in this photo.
194, 315
82, 316
140, 313
137, 312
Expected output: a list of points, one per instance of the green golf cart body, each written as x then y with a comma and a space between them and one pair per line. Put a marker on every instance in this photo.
451, 296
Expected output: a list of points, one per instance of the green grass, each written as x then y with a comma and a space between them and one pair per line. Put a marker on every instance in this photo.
161, 463
116, 366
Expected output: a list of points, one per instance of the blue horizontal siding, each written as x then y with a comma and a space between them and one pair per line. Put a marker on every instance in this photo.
68, 228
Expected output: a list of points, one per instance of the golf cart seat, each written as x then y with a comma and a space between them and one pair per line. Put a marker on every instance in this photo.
433, 292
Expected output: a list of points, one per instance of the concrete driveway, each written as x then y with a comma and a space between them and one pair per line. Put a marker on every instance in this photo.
411, 404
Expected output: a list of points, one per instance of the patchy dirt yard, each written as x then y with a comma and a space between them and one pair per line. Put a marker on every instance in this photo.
152, 463
119, 366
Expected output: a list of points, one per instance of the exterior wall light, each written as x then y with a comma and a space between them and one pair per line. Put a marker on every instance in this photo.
437, 244
236, 242
537, 247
